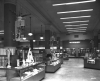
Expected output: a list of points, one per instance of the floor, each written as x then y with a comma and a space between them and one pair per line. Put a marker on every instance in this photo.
73, 70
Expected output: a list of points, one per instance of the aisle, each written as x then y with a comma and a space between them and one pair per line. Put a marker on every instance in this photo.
72, 70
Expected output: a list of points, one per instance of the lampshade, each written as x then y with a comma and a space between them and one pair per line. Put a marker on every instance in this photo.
41, 37
30, 34
34, 40
24, 38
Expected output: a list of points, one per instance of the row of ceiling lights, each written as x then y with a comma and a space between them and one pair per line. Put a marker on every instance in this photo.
75, 29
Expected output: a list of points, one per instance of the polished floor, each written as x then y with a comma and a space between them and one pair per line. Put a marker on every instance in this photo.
73, 70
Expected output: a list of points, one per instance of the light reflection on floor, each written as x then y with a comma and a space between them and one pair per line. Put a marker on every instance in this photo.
73, 70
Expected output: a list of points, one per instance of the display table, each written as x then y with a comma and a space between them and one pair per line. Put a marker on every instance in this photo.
92, 64
53, 68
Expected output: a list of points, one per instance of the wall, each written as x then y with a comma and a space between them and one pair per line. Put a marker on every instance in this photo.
81, 36
82, 44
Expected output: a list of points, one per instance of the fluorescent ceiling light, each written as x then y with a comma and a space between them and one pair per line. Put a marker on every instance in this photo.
75, 11
77, 25
75, 42
75, 31
71, 3
74, 28
77, 21
1, 30
75, 17
1, 33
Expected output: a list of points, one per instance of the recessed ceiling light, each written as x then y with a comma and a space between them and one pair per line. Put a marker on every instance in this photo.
74, 11
76, 21
77, 25
71, 3
75, 17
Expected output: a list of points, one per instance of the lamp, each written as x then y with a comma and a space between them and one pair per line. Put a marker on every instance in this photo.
41, 37
34, 36
24, 38
30, 33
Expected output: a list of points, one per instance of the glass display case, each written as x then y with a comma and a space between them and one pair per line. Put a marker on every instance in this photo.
22, 66
53, 61
92, 60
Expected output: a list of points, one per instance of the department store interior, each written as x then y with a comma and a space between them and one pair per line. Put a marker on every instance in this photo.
49, 40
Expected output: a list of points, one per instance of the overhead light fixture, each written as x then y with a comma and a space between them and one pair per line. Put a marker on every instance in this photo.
30, 33
1, 30
77, 25
71, 3
76, 31
24, 38
77, 21
75, 17
34, 40
41, 37
74, 11
1, 33
75, 42
74, 28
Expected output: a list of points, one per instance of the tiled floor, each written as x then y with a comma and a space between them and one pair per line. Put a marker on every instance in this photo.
73, 70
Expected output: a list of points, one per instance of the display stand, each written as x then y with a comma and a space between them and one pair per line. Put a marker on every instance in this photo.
53, 68
92, 64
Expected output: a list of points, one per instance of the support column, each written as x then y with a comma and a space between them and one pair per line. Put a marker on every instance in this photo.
9, 23
47, 38
31, 44
58, 43
95, 39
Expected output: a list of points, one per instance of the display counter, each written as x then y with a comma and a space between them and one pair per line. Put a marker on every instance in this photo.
34, 72
54, 66
92, 63
65, 56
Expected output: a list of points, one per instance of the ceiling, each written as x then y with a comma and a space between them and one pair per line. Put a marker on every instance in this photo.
49, 13
44, 14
